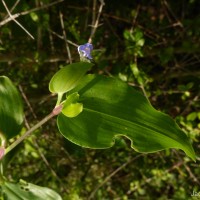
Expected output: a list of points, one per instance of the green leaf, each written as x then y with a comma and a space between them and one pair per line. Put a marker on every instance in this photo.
27, 191
11, 109
68, 77
34, 16
140, 42
192, 116
71, 108
135, 69
112, 109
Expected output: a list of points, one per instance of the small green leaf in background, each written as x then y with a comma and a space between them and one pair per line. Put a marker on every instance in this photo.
34, 16
71, 108
27, 191
68, 77
11, 109
111, 109
135, 69
192, 116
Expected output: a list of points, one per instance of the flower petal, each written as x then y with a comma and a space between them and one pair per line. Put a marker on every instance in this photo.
85, 50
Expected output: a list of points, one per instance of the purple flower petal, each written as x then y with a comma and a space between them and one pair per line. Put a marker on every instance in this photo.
85, 50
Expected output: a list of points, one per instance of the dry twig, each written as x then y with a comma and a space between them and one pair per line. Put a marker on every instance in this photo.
13, 7
65, 37
95, 26
27, 12
62, 38
12, 18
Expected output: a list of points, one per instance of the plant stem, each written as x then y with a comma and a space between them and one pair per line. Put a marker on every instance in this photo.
59, 98
3, 140
43, 121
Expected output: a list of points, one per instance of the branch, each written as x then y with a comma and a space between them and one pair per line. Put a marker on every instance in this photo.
14, 6
61, 37
11, 17
27, 12
55, 112
65, 37
95, 26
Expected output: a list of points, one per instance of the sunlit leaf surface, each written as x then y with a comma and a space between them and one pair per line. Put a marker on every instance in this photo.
68, 77
111, 109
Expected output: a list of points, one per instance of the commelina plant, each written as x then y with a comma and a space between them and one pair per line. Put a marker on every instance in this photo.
92, 111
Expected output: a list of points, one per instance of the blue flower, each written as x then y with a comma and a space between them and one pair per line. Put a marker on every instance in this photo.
85, 50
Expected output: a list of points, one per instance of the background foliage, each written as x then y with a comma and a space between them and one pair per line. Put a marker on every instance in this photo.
151, 45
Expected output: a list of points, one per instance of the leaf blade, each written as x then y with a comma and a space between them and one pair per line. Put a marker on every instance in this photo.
11, 108
24, 190
111, 109
68, 77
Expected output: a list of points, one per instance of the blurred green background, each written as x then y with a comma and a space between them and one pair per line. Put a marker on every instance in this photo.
152, 45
